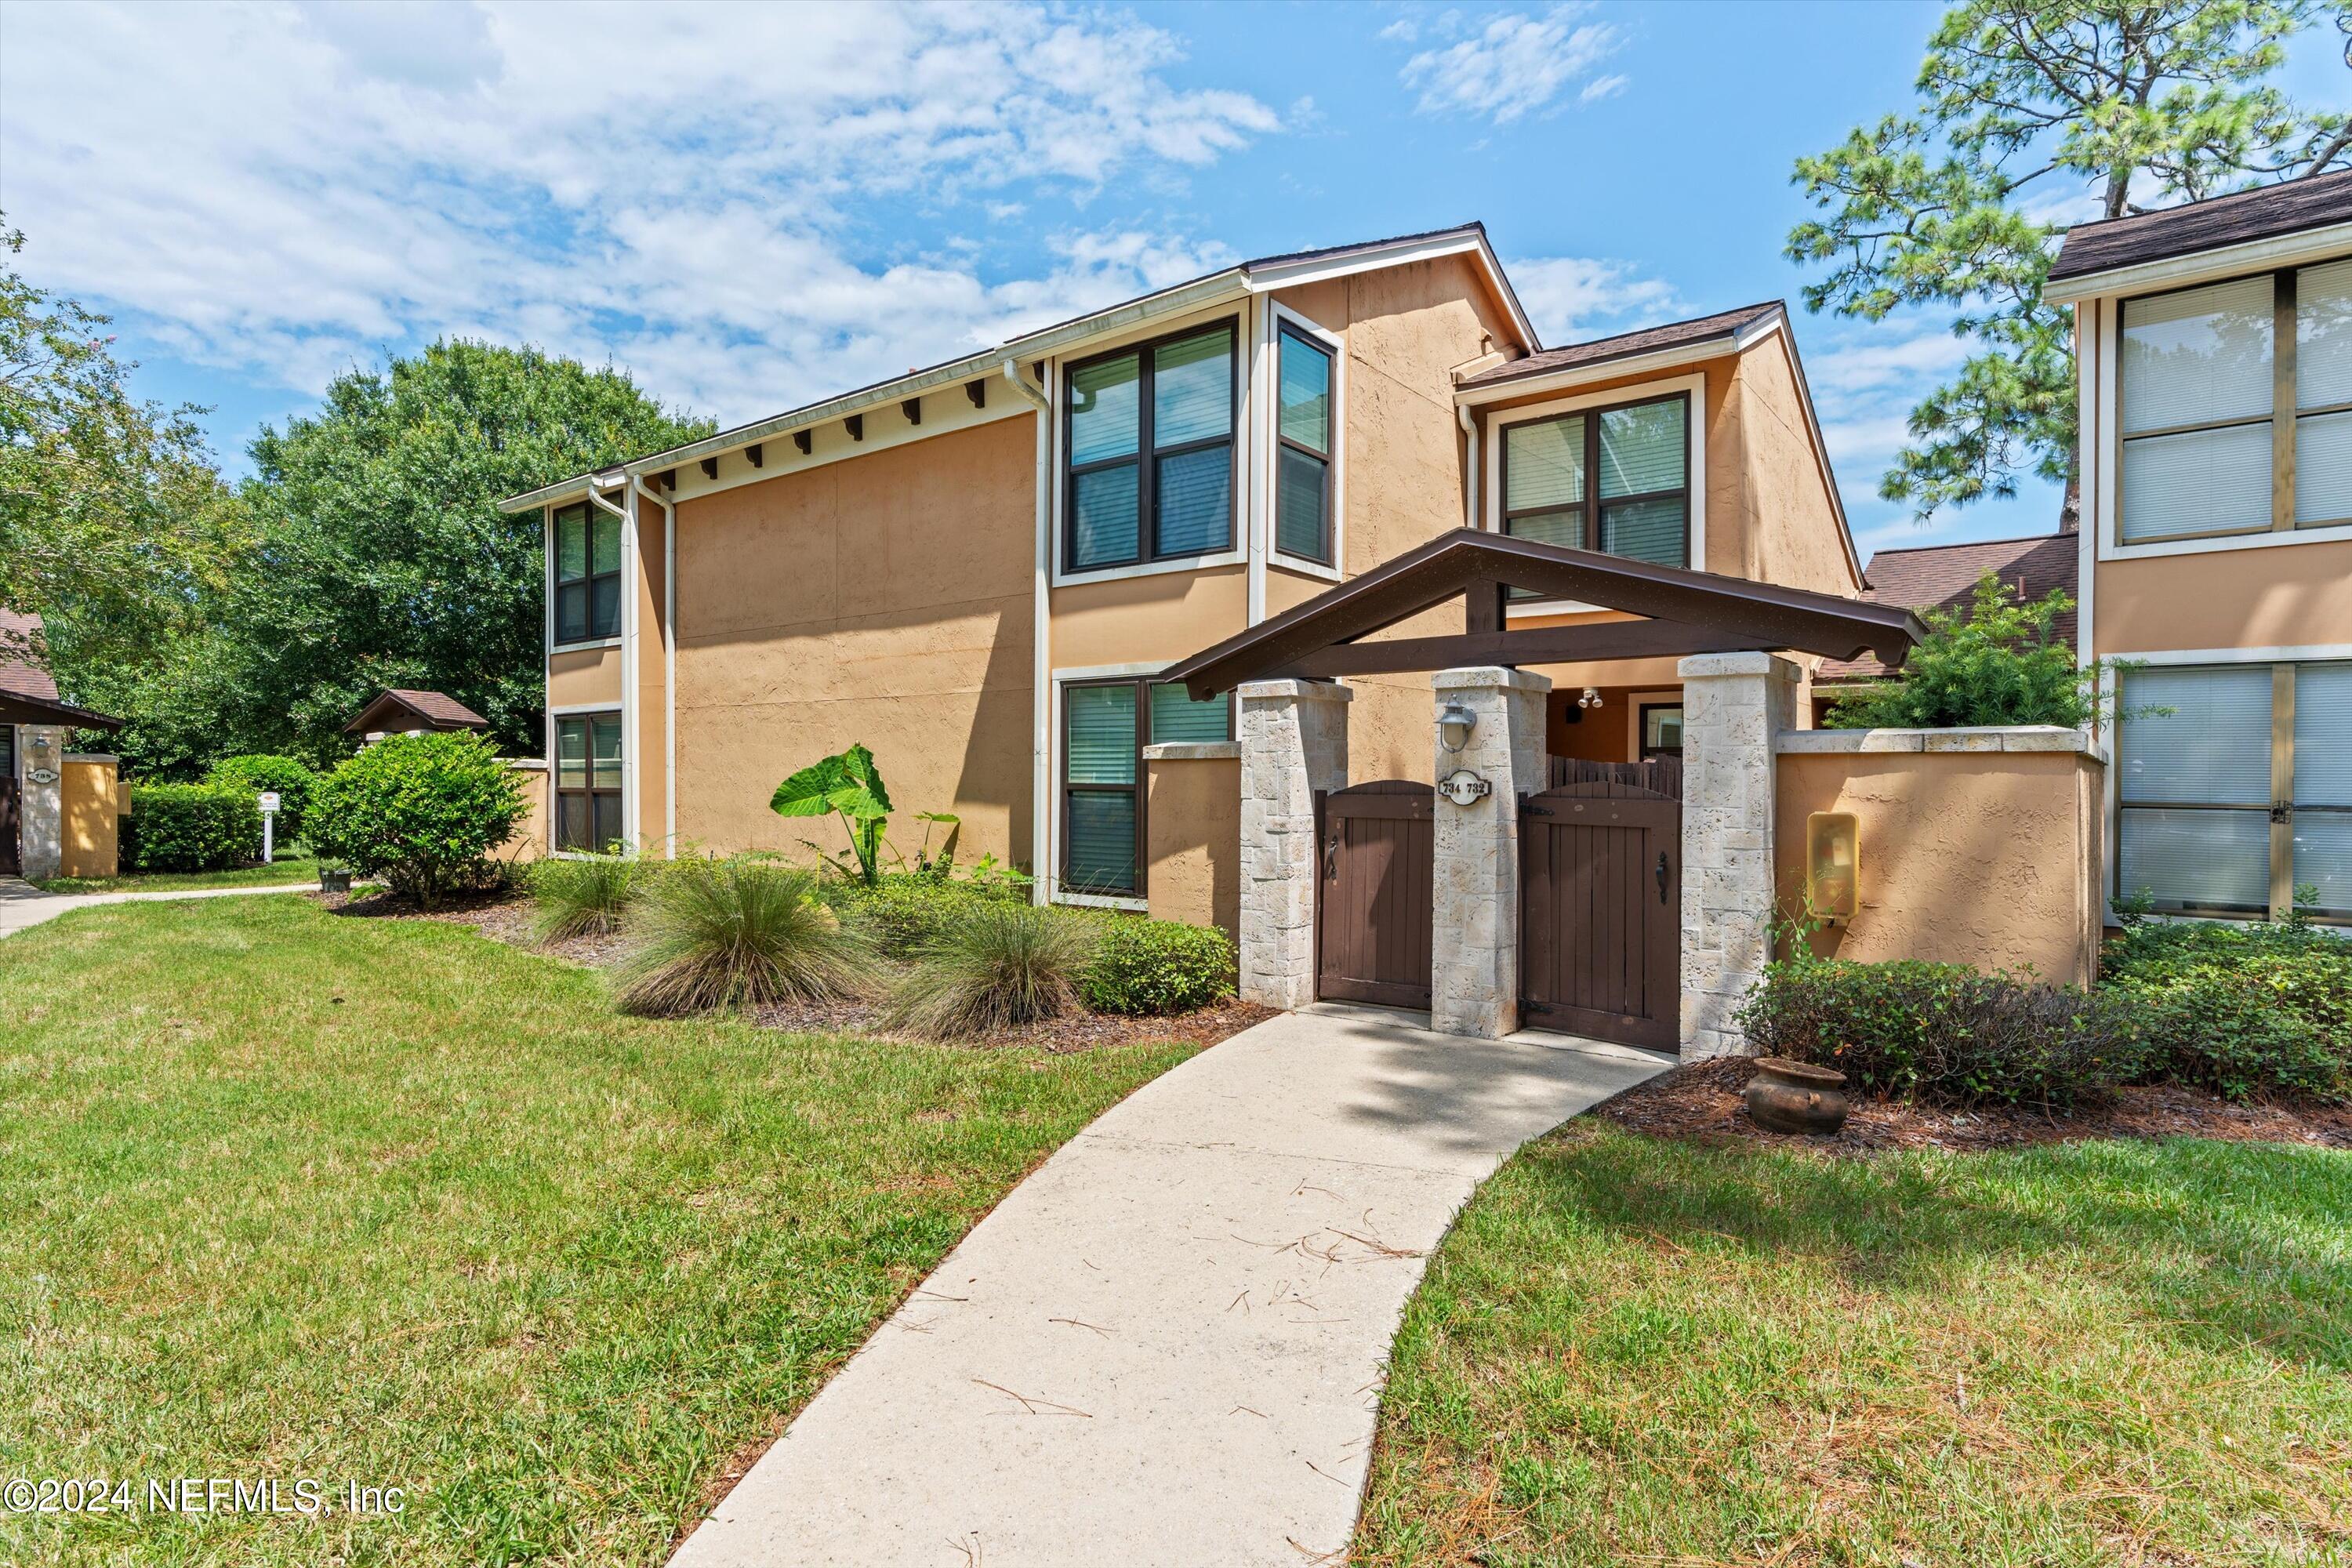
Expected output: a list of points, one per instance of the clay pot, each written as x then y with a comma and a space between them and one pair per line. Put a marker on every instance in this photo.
1796, 1097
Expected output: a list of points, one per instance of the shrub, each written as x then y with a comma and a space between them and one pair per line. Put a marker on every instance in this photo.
709, 933
997, 964
190, 827
422, 811
2259, 1008
1998, 661
906, 915
1944, 1034
584, 896
290, 777
1154, 967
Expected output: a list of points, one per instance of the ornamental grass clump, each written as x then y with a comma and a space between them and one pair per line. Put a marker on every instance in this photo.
710, 933
997, 966
584, 896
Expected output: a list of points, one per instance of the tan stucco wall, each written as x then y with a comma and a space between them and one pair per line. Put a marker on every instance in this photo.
1791, 528
883, 599
590, 675
1146, 620
2285, 596
529, 840
91, 801
1989, 859
1193, 825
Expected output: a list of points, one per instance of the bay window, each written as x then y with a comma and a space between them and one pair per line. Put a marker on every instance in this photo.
587, 575
1105, 724
1302, 481
588, 783
2237, 406
1149, 431
1611, 480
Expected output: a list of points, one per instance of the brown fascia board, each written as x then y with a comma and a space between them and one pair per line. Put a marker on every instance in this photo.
1767, 615
16, 707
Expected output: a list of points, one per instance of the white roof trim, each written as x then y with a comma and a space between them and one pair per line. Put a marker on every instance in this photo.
2181, 271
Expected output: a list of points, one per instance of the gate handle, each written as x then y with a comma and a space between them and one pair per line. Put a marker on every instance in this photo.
1661, 876
1332, 857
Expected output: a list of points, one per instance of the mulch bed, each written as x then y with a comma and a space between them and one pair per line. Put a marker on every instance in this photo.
505, 915
1701, 1103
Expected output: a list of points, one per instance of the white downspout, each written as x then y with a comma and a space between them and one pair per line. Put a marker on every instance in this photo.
669, 660
1470, 518
1041, 678
629, 797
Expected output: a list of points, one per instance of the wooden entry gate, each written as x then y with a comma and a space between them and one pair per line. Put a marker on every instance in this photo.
1600, 902
1373, 907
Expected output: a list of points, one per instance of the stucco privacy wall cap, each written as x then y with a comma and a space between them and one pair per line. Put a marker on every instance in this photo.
1970, 738
1191, 751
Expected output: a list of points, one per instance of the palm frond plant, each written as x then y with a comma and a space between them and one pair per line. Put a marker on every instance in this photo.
582, 896
996, 966
743, 932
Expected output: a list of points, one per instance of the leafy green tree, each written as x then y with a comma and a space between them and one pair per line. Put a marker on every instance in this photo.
2025, 107
383, 558
1999, 661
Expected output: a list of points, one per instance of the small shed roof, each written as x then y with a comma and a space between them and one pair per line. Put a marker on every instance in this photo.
29, 693
400, 709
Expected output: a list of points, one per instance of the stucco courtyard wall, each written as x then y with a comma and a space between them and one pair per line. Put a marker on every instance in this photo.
90, 792
1192, 823
1977, 846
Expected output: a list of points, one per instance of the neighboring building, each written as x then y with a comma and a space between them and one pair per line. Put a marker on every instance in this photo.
398, 710
57, 807
2215, 345
1941, 577
976, 569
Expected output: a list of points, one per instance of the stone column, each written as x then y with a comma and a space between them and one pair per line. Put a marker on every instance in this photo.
1294, 740
1733, 706
1475, 989
40, 806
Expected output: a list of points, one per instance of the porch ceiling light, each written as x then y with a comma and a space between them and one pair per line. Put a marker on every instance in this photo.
1453, 726
1591, 697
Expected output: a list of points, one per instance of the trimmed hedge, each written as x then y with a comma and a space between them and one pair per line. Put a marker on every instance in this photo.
190, 827
290, 777
1146, 967
2242, 1010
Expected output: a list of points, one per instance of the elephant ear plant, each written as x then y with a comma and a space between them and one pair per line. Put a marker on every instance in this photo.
846, 784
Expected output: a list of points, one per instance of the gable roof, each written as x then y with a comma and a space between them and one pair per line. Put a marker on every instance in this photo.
29, 693
396, 706
1255, 276
1724, 325
2267, 211
1944, 577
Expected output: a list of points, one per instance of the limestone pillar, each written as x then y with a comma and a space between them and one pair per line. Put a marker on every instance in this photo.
1733, 706
40, 806
1475, 926
1294, 740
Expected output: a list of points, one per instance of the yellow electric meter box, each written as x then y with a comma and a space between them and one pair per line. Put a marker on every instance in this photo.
1832, 863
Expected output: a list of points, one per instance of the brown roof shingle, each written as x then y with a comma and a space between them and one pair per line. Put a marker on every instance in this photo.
436, 708
1944, 577
23, 671
2263, 213
1625, 345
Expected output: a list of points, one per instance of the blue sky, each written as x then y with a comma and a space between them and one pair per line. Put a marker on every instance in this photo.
750, 207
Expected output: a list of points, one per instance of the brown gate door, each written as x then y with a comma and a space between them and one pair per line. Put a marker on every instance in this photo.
1600, 929
1372, 918
9, 864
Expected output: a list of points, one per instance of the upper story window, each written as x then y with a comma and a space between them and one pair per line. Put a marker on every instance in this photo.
587, 574
1302, 488
1639, 507
1150, 436
2227, 429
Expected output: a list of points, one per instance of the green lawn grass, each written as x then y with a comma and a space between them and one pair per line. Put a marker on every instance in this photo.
290, 1195
286, 868
2104, 1352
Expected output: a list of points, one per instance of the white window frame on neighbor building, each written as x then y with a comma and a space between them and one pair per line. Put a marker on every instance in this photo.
1270, 441
1490, 480
1233, 314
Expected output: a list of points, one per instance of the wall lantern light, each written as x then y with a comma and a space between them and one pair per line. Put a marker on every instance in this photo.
1833, 865
40, 744
1453, 726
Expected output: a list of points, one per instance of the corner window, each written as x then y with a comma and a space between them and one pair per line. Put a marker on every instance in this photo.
1302, 483
1105, 724
1150, 437
1610, 479
588, 783
587, 574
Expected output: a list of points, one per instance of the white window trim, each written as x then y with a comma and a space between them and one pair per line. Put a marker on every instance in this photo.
1490, 502
1049, 875
1271, 443
1228, 311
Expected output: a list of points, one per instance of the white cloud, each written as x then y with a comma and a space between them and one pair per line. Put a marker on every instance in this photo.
1512, 66
1602, 87
1886, 360
688, 190
1571, 296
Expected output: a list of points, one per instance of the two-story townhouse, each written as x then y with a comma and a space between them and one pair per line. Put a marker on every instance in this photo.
2215, 350
978, 569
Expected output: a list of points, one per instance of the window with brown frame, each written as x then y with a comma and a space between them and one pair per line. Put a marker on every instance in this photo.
1147, 439
1639, 507
587, 575
2237, 407
588, 783
1105, 724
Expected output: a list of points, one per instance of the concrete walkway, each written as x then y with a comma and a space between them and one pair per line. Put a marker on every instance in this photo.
1166, 1346
23, 905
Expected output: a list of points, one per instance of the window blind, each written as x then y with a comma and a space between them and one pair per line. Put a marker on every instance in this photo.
2202, 481
1176, 717
1102, 842
2323, 734
570, 545
2323, 335
2322, 468
2323, 859
1543, 464
571, 753
2202, 859
1104, 526
604, 756
2213, 748
1105, 410
2197, 356
1305, 393
1644, 530
1192, 512
1101, 734
1301, 527
1641, 448
1192, 389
